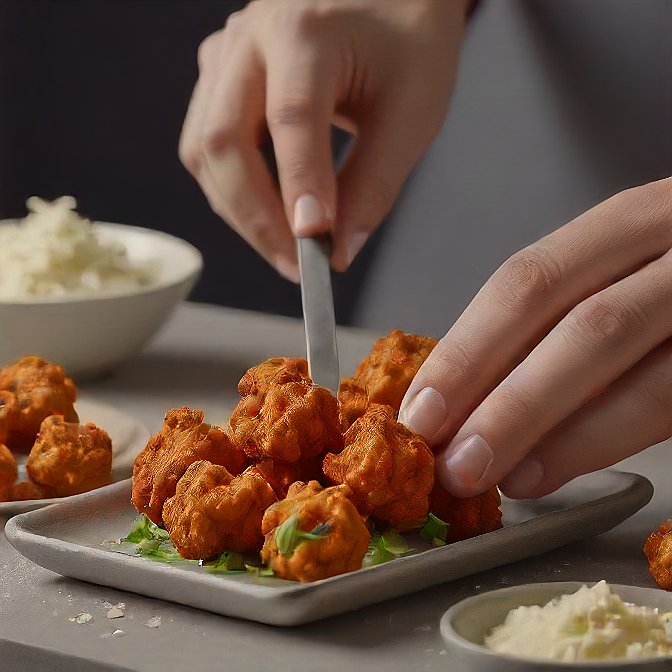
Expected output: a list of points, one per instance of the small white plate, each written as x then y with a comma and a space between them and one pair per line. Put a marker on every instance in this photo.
128, 438
465, 625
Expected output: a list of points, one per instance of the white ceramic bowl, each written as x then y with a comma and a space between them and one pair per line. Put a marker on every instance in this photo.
89, 336
465, 625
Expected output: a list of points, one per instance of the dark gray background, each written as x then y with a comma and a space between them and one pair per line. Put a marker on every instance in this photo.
559, 104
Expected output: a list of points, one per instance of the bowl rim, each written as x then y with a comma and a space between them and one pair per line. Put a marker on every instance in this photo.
454, 640
191, 271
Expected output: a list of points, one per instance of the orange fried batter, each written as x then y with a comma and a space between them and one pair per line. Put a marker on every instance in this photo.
294, 420
8, 471
389, 469
658, 551
9, 413
41, 389
25, 490
342, 542
468, 517
275, 371
70, 458
385, 374
281, 475
184, 439
213, 512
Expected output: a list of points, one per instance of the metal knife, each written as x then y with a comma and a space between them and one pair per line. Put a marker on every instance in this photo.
318, 310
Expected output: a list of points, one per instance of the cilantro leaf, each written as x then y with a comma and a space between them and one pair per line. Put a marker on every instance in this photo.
435, 530
226, 563
144, 528
288, 536
385, 547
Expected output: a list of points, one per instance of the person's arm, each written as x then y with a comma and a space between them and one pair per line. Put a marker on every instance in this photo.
562, 363
382, 69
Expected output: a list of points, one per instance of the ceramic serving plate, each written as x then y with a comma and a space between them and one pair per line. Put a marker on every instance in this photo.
465, 625
128, 438
68, 537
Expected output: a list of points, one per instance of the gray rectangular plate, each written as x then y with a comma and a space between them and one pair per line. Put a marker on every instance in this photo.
66, 538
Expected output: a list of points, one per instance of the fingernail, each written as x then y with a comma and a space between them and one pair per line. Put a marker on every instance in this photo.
309, 214
355, 244
525, 478
465, 463
287, 269
425, 413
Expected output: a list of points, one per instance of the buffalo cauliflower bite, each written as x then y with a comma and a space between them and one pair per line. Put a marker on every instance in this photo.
70, 458
25, 490
41, 389
385, 374
314, 534
467, 517
9, 414
8, 472
280, 475
389, 469
658, 551
184, 439
213, 511
275, 371
294, 420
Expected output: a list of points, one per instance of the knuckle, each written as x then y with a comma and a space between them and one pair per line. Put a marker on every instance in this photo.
601, 322
452, 361
291, 112
206, 50
516, 404
307, 19
217, 140
649, 206
528, 278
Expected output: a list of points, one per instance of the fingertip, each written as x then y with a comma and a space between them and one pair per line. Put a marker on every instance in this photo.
424, 413
311, 216
526, 480
462, 468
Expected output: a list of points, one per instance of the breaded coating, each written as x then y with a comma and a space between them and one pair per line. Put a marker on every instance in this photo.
658, 551
314, 534
389, 469
184, 439
25, 490
281, 475
468, 517
275, 371
70, 458
385, 374
41, 389
213, 511
9, 414
295, 420
8, 472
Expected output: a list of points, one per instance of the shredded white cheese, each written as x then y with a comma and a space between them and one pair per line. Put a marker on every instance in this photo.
591, 624
55, 252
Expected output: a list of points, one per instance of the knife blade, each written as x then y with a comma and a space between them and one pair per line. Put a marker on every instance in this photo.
318, 310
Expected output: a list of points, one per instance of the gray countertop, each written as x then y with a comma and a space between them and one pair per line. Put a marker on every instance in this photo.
197, 361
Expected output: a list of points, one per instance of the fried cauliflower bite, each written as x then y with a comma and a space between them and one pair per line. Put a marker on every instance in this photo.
295, 420
658, 551
70, 458
275, 371
314, 534
184, 439
281, 475
40, 389
385, 374
213, 511
468, 517
25, 490
389, 469
8, 472
9, 414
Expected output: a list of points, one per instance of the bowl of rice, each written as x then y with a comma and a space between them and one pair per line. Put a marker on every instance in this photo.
87, 295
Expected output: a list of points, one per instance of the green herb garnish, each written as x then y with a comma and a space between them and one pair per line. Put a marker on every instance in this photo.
226, 563
435, 530
288, 536
145, 529
385, 547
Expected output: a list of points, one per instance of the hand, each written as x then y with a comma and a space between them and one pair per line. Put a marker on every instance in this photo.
562, 363
381, 69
